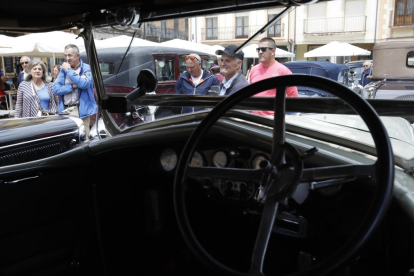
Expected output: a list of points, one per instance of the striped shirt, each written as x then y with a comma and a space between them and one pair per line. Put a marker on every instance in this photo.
26, 105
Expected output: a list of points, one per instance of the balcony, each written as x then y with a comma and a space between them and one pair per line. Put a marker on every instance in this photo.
348, 24
402, 18
229, 33
159, 34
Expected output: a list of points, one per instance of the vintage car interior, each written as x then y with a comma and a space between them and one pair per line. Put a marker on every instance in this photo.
216, 192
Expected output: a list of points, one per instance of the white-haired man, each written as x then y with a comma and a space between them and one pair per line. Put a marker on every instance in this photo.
74, 85
24, 61
231, 63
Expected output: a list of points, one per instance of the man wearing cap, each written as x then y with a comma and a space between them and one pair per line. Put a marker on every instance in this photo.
231, 63
195, 81
268, 68
215, 70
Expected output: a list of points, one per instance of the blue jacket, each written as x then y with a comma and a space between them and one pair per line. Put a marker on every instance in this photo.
364, 80
20, 79
84, 82
185, 86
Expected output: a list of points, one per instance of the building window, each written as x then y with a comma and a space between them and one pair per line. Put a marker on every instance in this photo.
275, 30
404, 12
211, 30
242, 26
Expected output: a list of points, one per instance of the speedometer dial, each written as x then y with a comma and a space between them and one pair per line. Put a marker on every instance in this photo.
257, 159
168, 159
220, 159
197, 160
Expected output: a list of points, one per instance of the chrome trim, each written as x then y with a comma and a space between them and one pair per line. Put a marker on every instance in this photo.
46, 138
20, 180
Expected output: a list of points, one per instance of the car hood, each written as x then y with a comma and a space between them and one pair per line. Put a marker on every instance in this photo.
352, 128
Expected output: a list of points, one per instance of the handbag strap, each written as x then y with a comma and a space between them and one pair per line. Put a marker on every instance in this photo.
35, 95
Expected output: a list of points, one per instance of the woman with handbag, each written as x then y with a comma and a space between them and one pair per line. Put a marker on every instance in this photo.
35, 95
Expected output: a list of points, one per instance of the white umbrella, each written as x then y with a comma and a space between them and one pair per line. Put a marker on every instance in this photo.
123, 41
42, 44
6, 41
179, 43
217, 47
335, 49
250, 52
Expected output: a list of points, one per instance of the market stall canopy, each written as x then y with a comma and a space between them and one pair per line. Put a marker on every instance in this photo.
250, 52
179, 43
123, 41
42, 44
337, 49
6, 41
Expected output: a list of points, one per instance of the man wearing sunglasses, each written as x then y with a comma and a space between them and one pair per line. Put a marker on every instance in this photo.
268, 68
24, 61
367, 74
195, 81
231, 63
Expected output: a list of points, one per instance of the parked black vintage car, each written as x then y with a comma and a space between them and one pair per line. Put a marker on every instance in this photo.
28, 139
393, 76
333, 71
216, 192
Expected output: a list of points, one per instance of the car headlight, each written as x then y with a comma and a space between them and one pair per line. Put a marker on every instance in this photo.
369, 92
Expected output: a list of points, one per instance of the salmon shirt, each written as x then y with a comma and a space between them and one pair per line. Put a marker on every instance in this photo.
260, 72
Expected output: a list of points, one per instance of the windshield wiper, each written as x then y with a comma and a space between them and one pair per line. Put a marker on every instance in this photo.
126, 52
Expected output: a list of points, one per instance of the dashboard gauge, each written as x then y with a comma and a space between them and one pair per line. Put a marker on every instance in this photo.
197, 160
168, 159
220, 159
257, 159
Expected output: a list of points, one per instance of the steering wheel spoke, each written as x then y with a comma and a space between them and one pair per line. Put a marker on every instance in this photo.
279, 127
338, 172
265, 230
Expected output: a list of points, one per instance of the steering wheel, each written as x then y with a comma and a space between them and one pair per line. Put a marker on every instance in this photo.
278, 180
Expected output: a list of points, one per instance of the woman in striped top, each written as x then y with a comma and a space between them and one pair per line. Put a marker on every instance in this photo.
35, 93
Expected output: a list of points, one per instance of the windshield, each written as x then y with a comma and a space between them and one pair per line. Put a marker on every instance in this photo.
175, 61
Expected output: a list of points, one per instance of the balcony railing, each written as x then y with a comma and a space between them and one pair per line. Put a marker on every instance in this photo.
155, 33
228, 33
346, 24
403, 17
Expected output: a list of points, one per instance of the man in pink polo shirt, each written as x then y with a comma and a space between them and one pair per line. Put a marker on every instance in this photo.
268, 68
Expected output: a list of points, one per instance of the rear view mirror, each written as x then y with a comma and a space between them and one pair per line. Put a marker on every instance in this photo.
146, 82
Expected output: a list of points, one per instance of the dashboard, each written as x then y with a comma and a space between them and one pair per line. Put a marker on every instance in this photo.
226, 157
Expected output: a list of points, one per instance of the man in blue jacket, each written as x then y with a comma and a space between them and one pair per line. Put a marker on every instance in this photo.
74, 86
195, 81
366, 74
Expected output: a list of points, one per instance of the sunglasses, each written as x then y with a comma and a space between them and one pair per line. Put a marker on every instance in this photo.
366, 65
263, 49
24, 62
191, 58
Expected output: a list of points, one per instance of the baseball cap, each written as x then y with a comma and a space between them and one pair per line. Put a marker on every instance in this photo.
214, 68
229, 50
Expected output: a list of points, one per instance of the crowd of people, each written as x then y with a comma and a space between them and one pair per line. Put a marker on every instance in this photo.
198, 80
69, 90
